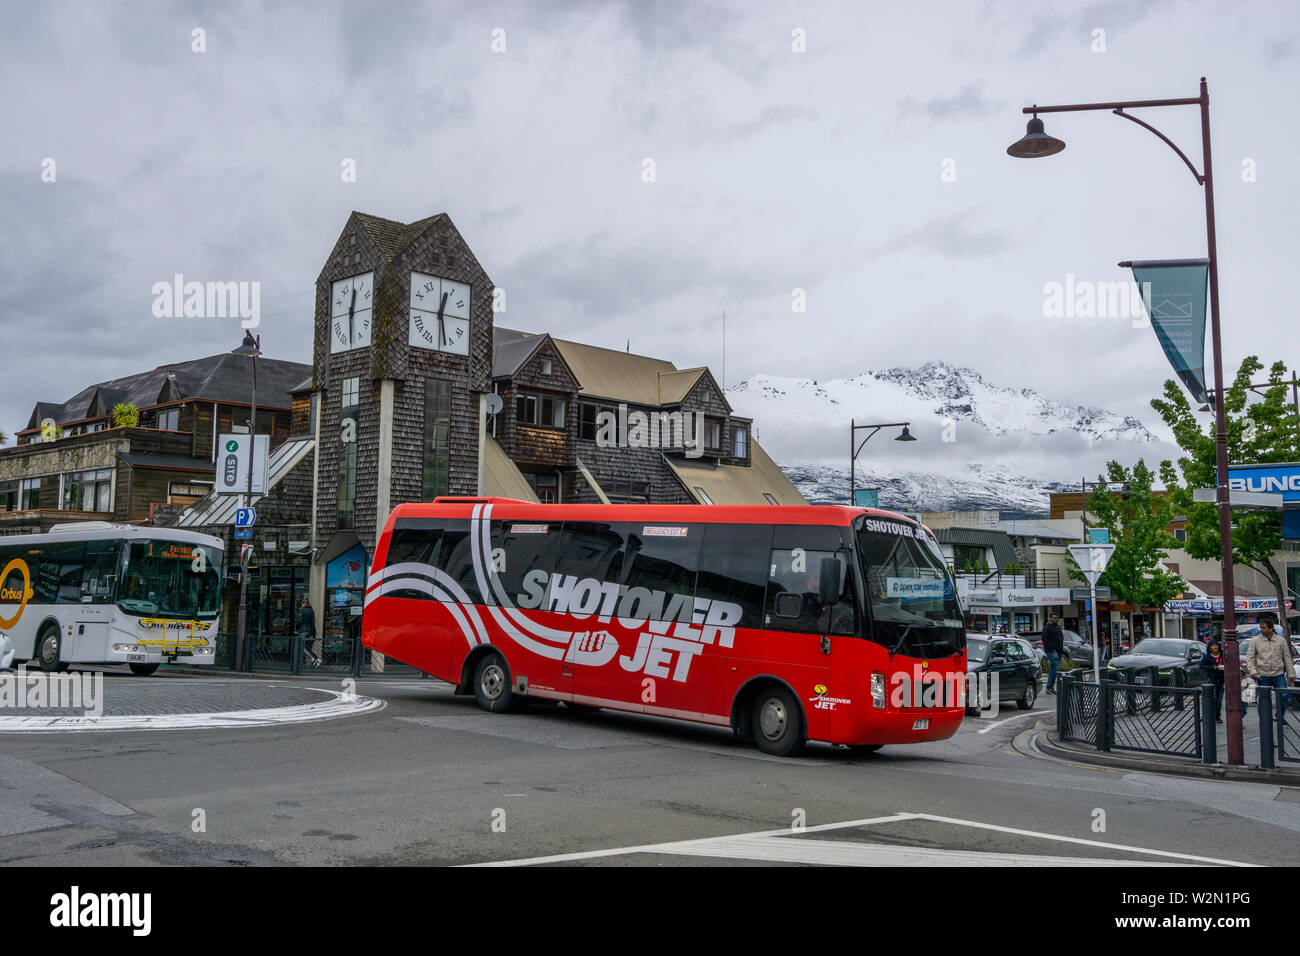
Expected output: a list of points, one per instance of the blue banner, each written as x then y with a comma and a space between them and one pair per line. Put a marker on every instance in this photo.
1175, 302
866, 497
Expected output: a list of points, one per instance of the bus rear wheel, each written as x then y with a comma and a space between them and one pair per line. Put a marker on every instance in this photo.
492, 689
778, 722
48, 648
143, 670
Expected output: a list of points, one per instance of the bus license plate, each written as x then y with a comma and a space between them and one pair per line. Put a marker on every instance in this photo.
921, 724
137, 657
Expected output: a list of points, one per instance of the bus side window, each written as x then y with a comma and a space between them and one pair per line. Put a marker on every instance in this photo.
659, 557
795, 569
519, 547
590, 549
100, 572
734, 567
456, 557
57, 578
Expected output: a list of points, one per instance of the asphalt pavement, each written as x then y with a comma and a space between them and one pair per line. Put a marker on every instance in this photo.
420, 776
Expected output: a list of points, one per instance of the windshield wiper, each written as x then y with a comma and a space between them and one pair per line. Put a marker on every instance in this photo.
906, 630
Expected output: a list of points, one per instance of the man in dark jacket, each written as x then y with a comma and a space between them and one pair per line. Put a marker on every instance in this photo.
1053, 647
307, 631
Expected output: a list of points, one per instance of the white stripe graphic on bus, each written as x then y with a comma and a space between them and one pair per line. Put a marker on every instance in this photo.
537, 629
409, 583
414, 572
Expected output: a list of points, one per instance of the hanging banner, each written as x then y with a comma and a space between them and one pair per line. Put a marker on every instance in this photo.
1174, 292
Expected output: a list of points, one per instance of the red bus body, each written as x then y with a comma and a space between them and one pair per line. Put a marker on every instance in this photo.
695, 670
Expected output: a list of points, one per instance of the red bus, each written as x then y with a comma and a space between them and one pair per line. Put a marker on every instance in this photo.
784, 623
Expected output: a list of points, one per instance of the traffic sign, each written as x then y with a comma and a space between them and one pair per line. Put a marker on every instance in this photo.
243, 534
232, 464
1099, 536
1092, 559
245, 517
1081, 593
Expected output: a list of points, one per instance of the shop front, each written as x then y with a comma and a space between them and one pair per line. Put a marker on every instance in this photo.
345, 591
1202, 619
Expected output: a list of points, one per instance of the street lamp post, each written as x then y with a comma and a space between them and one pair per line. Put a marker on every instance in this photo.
251, 348
855, 447
1037, 143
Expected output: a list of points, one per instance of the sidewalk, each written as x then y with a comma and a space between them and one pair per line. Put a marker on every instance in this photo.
1285, 774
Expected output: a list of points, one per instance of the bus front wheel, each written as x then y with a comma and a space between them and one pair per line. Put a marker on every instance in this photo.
778, 722
48, 648
143, 670
492, 689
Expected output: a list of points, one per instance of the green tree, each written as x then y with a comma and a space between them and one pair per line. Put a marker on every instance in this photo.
125, 415
4, 437
1265, 430
1136, 518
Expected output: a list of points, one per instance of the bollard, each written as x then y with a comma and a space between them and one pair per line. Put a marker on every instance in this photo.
1266, 728
297, 649
1209, 733
1063, 688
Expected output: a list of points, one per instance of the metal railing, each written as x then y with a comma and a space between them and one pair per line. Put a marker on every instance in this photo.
1139, 716
294, 654
1282, 731
1032, 578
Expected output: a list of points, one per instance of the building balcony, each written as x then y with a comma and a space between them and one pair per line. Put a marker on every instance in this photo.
989, 580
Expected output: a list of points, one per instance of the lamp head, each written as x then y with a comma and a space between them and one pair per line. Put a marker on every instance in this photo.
1035, 142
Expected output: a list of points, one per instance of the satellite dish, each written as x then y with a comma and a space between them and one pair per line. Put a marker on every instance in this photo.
494, 403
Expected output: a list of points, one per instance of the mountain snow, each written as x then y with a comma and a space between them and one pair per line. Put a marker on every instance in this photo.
981, 445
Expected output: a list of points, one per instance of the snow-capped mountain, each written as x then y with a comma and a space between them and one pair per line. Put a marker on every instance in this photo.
936, 390
980, 445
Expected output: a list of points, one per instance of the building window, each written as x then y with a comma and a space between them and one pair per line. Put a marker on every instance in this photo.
348, 453
626, 492
88, 490
547, 487
771, 499
741, 443
703, 495
712, 434
1180, 535
187, 492
546, 366
437, 437
588, 420
539, 410
8, 495
31, 494
169, 420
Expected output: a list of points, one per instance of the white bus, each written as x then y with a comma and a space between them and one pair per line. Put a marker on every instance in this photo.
99, 593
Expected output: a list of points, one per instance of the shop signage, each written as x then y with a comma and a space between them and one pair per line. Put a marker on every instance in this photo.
1208, 607
1035, 597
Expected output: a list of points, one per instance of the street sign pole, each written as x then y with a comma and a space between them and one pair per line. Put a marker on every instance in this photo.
1092, 560
1096, 653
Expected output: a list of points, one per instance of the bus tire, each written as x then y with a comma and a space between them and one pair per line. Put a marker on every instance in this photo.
492, 690
143, 670
778, 722
48, 648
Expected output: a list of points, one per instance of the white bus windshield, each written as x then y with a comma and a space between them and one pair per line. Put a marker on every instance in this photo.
170, 579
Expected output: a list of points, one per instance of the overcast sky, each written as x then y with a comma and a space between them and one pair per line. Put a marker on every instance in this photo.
774, 170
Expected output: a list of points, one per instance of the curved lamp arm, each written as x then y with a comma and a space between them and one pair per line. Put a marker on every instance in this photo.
1170, 143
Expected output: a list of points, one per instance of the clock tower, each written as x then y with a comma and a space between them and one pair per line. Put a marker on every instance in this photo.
402, 365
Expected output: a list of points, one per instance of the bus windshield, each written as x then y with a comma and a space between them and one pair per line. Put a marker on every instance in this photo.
912, 599
170, 579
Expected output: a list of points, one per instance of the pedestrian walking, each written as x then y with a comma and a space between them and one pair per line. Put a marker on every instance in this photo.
1212, 664
307, 631
1269, 658
1053, 646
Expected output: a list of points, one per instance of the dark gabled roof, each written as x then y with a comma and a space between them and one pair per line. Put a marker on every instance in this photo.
1003, 551
510, 350
219, 378
391, 236
304, 386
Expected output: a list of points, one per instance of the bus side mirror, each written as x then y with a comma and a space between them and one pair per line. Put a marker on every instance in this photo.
828, 584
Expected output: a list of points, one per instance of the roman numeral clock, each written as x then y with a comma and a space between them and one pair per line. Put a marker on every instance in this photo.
440, 311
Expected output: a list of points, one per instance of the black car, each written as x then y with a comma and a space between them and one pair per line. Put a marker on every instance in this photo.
1011, 660
1077, 649
1166, 655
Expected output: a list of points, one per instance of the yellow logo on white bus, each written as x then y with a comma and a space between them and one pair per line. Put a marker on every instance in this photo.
9, 595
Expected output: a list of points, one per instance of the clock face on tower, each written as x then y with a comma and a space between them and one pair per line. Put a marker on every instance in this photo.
439, 314
350, 312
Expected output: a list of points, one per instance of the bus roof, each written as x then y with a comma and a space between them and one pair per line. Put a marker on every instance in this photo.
102, 530
462, 507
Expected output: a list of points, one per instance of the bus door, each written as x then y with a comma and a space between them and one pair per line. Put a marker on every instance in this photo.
805, 633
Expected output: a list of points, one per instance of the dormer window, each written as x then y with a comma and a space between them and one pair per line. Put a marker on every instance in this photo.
169, 419
546, 366
539, 410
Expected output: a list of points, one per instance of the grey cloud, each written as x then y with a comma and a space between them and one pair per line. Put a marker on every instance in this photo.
967, 103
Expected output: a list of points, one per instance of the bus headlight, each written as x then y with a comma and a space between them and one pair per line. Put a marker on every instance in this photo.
878, 689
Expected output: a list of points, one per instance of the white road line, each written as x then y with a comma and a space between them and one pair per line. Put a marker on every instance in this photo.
1079, 840
340, 706
789, 849
670, 847
1007, 720
762, 842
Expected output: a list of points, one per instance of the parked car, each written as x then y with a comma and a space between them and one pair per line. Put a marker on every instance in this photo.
1035, 641
6, 652
1077, 649
1012, 660
1167, 655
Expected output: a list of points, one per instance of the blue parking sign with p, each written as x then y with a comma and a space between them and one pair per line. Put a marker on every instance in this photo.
245, 517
